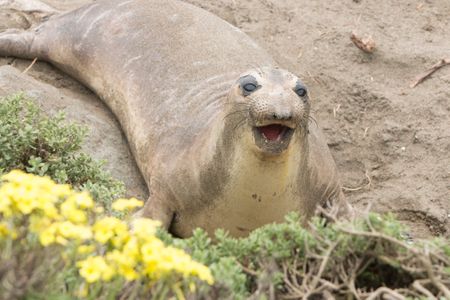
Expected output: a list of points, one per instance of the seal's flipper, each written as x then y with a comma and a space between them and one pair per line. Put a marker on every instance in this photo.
33, 11
22, 42
157, 209
29, 6
18, 43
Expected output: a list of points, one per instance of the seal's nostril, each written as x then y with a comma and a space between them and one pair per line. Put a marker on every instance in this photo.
286, 116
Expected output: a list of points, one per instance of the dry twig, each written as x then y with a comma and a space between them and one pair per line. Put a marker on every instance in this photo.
30, 66
385, 291
422, 257
323, 264
367, 185
443, 62
419, 287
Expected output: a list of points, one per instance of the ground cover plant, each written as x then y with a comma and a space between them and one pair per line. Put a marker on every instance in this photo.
367, 258
49, 145
58, 242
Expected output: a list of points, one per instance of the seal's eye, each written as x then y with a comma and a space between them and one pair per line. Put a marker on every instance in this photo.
300, 90
248, 84
249, 87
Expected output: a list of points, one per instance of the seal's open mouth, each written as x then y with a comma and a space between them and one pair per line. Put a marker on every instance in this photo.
273, 132
273, 138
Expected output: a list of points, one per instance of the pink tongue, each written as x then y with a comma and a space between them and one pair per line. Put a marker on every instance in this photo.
271, 132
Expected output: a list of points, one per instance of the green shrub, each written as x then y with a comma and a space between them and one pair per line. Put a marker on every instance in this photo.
347, 260
48, 145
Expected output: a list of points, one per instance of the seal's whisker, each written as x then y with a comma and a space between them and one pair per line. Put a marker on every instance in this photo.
246, 104
311, 118
239, 109
240, 123
216, 97
242, 105
234, 112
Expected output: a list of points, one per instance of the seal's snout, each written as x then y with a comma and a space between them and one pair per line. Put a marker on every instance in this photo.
284, 117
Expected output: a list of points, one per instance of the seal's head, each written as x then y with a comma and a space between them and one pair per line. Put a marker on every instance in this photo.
276, 105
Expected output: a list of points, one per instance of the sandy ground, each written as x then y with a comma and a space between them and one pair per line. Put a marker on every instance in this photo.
391, 142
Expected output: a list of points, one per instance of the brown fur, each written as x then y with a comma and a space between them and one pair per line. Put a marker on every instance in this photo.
168, 71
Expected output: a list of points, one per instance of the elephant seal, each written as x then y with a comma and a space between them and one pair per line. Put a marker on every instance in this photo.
221, 135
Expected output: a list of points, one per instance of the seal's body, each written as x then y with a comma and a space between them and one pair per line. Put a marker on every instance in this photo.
219, 146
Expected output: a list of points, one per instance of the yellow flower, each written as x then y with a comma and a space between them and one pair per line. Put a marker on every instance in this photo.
5, 203
131, 248
61, 240
70, 211
106, 228
125, 264
62, 190
95, 268
15, 176
99, 210
85, 249
50, 210
4, 230
202, 272
152, 249
120, 239
41, 182
24, 200
48, 235
38, 223
59, 215
72, 231
145, 228
126, 204
177, 260
129, 273
82, 200
82, 232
